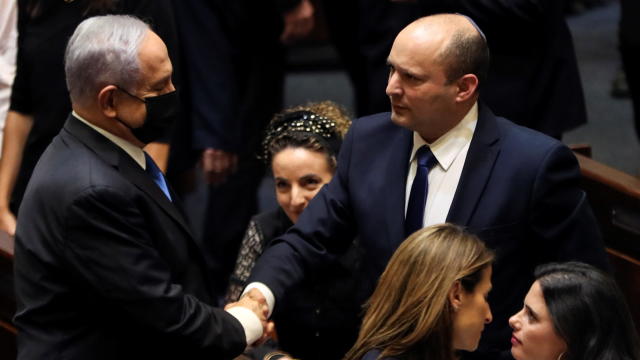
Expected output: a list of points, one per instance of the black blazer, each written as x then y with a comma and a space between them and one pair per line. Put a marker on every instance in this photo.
105, 264
518, 191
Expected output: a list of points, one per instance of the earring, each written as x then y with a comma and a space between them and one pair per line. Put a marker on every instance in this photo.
561, 356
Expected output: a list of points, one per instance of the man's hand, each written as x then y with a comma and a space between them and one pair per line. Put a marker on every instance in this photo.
7, 222
256, 302
298, 22
217, 165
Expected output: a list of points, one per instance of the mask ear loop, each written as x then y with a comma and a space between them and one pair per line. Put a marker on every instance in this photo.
130, 94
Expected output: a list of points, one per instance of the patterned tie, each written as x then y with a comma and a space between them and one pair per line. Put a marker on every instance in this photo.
156, 175
419, 190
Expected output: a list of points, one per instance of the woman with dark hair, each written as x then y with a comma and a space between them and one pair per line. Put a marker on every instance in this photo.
431, 299
319, 319
573, 311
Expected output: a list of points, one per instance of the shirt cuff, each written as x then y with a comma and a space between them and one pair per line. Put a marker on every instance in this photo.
266, 292
249, 321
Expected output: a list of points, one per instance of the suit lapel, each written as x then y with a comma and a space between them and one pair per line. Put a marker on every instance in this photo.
396, 181
128, 168
481, 157
134, 173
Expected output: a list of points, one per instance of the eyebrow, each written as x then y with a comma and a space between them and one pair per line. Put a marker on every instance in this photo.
533, 313
161, 81
311, 176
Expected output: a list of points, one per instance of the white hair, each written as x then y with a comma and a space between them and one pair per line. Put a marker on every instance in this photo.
103, 50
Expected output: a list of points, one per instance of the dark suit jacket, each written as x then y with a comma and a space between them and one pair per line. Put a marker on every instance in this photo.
518, 191
534, 79
105, 265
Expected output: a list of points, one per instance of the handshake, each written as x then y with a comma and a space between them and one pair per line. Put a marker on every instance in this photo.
255, 301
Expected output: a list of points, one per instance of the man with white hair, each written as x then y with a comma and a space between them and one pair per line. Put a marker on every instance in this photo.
105, 265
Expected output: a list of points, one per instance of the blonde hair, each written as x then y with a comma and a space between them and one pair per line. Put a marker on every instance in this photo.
409, 312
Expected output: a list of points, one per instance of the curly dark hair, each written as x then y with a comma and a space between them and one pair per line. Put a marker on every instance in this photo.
318, 127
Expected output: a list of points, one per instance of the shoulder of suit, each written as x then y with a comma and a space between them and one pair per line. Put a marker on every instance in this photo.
375, 122
522, 136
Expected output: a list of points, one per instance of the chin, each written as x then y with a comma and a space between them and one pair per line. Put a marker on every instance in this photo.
515, 354
398, 119
293, 217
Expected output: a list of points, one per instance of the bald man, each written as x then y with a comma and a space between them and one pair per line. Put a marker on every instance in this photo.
515, 188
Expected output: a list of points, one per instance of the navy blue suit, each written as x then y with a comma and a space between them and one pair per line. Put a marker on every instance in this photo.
518, 192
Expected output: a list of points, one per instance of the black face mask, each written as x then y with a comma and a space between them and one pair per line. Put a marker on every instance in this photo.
162, 111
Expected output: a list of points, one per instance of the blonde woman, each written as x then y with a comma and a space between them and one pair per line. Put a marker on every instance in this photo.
431, 299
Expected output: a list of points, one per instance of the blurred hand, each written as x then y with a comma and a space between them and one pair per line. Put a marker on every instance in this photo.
7, 222
217, 165
298, 22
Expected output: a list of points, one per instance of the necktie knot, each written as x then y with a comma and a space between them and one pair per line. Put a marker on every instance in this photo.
425, 157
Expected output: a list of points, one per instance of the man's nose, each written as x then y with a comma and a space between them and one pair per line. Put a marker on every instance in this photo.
393, 88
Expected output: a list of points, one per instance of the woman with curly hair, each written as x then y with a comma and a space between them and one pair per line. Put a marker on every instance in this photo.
320, 318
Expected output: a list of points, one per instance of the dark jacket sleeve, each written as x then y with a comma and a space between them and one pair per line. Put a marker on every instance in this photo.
561, 216
108, 248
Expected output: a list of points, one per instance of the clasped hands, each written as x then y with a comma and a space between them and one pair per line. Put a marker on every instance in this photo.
256, 302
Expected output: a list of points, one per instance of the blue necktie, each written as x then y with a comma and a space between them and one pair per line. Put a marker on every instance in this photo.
419, 189
156, 175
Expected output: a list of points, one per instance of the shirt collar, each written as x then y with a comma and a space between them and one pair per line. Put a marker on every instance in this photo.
136, 153
449, 145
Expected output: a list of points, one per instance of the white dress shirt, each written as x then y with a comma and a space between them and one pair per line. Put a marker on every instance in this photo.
250, 322
451, 152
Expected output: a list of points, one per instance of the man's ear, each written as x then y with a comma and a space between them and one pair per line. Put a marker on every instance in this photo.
455, 295
107, 101
467, 86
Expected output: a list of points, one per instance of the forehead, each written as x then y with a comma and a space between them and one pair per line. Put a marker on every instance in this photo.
535, 299
300, 159
417, 49
154, 57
